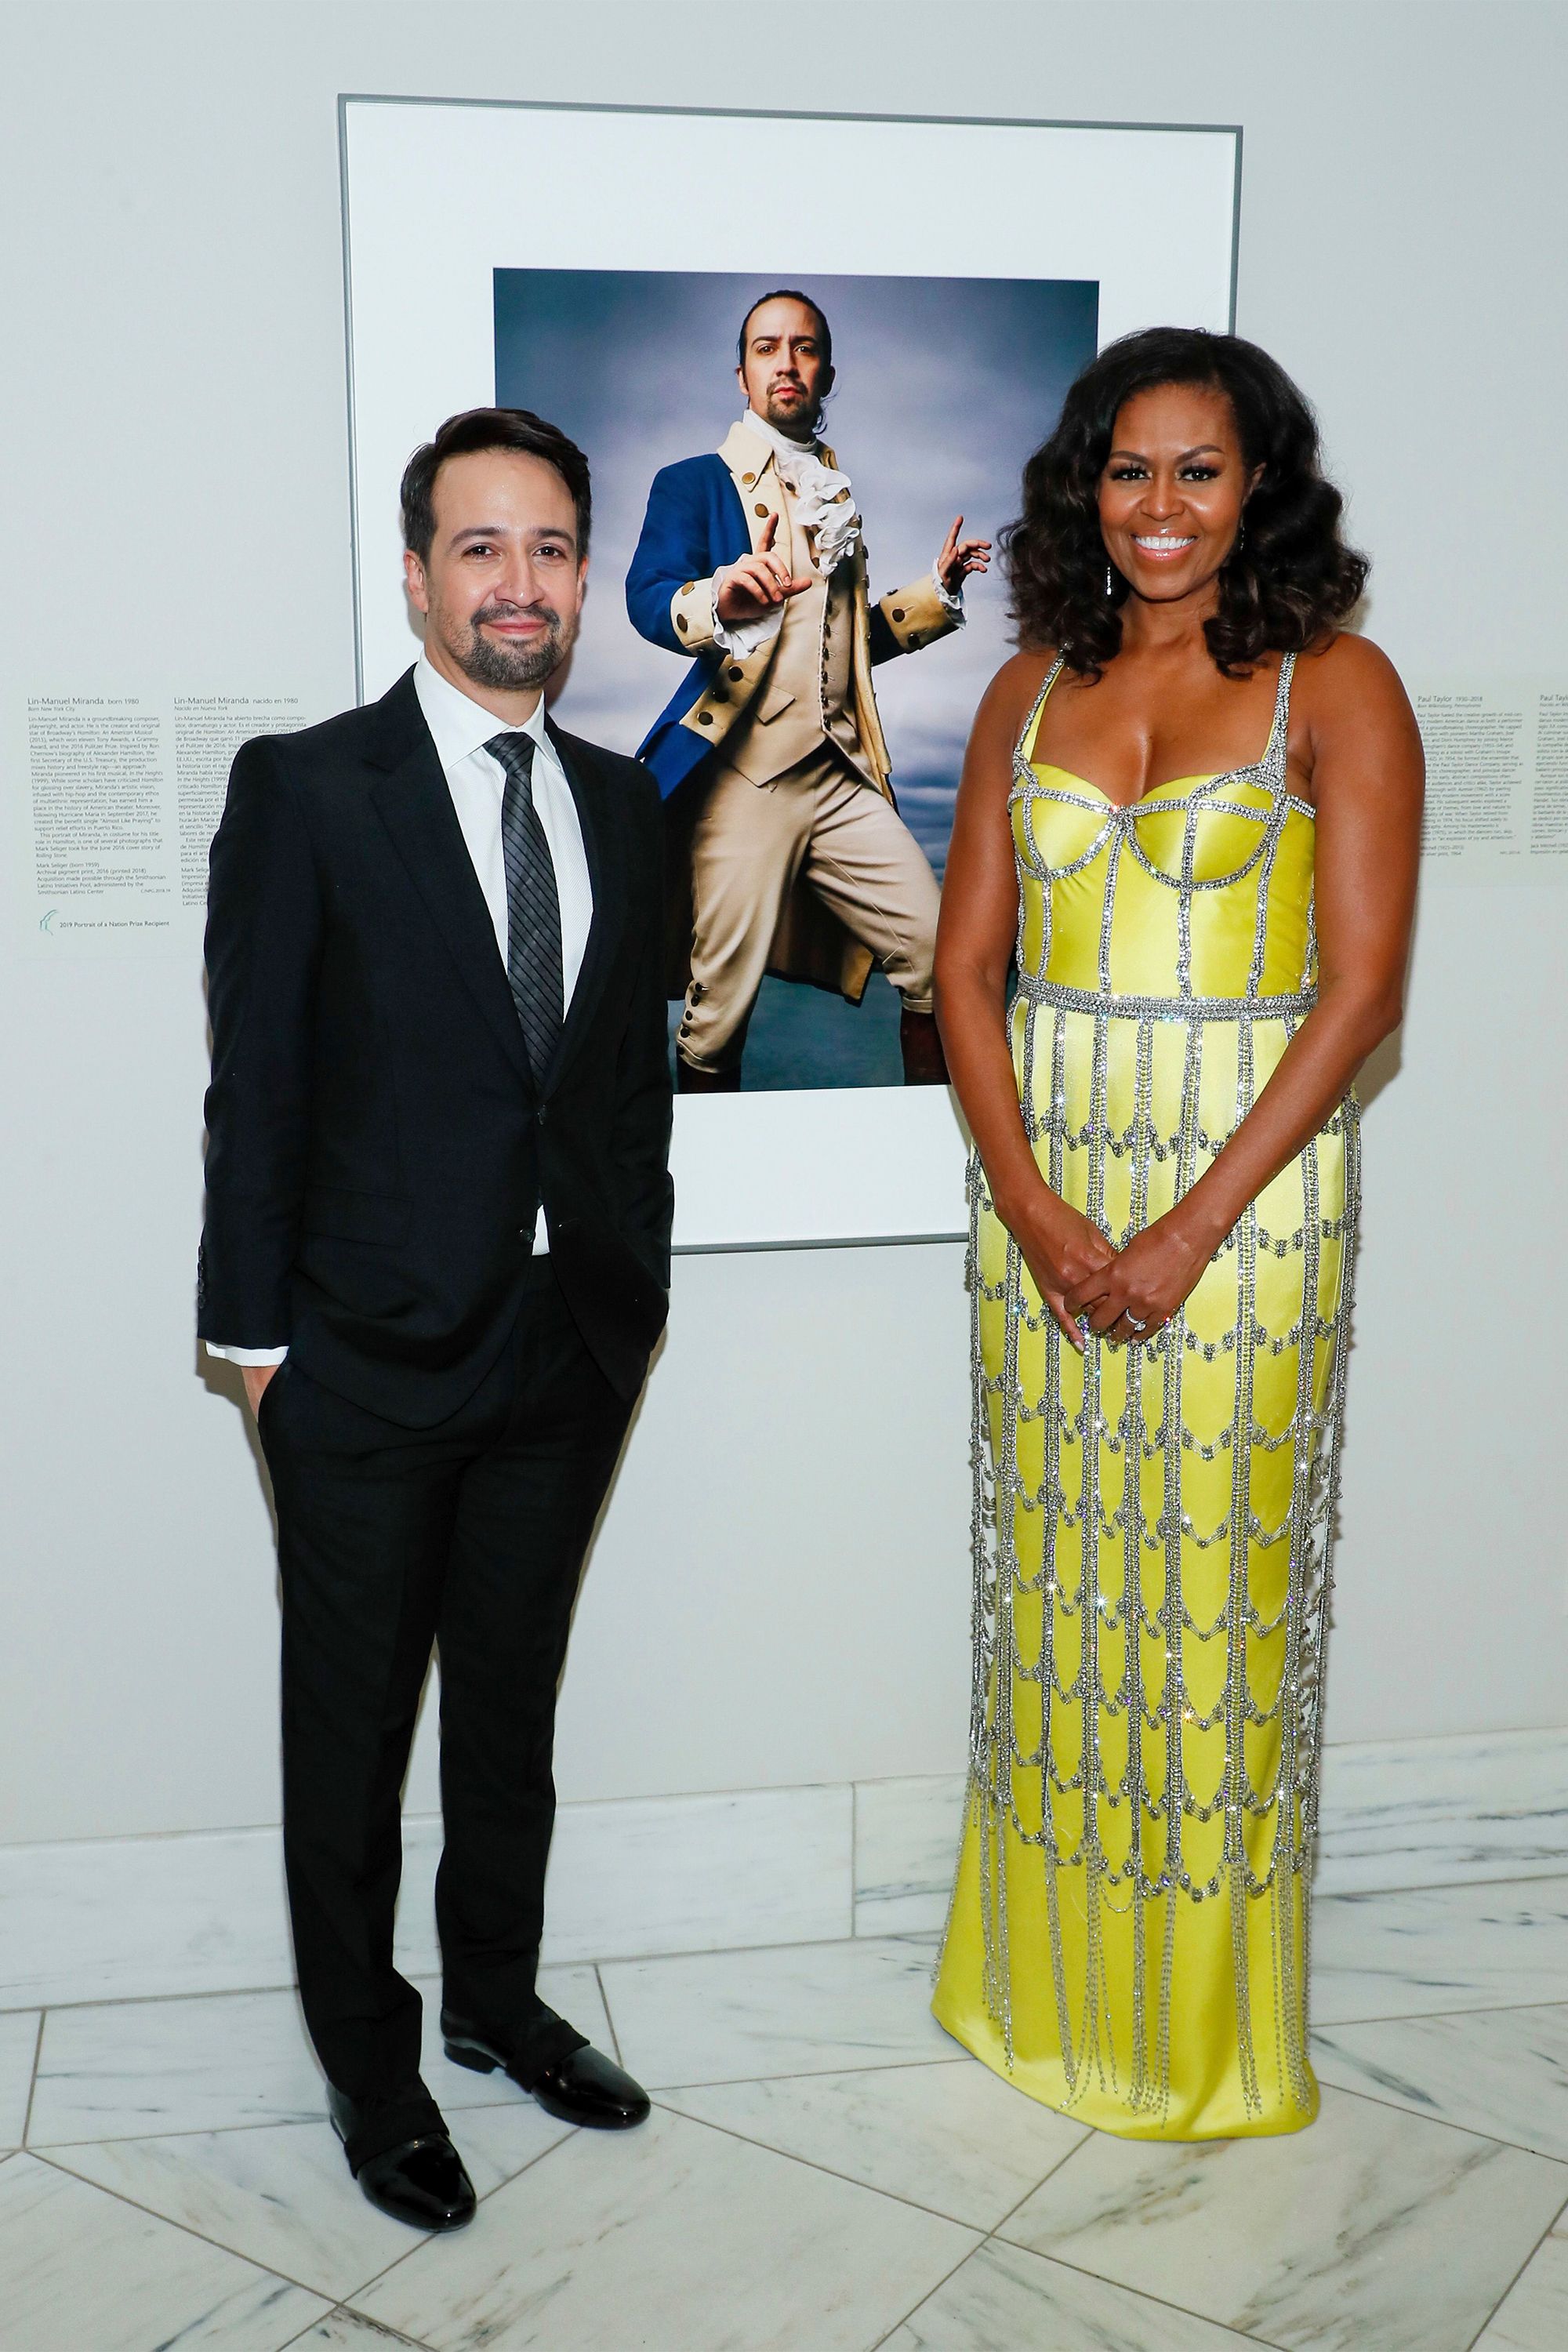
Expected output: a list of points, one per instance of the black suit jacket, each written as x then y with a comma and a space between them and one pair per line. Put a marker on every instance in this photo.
377, 1149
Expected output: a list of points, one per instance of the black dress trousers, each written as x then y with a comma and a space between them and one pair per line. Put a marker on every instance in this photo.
469, 1536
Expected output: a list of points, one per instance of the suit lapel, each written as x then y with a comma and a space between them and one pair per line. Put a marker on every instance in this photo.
415, 806
602, 848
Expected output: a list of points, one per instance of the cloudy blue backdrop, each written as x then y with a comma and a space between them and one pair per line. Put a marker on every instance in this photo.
945, 386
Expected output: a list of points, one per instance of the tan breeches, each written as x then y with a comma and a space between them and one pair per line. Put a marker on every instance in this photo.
753, 844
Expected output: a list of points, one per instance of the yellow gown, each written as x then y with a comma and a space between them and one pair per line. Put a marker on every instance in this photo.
1127, 1939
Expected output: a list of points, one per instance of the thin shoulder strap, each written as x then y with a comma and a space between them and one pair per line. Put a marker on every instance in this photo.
1280, 735
1025, 748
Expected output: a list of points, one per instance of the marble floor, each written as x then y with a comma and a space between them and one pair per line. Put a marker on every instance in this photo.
824, 2172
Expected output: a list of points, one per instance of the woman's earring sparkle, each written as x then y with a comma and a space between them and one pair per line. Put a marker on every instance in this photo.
1109, 581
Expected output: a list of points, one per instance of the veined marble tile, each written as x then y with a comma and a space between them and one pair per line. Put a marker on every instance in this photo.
283, 2196
344, 2331
134, 2069
1503, 2072
134, 1918
124, 1919
131, 2069
1447, 1948
700, 1874
671, 2235
1430, 1813
906, 1850
655, 1875
81, 2272
19, 2048
1533, 2315
815, 2009
1369, 2229
950, 2138
1004, 2300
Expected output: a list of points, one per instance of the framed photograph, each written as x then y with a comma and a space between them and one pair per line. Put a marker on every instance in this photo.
598, 266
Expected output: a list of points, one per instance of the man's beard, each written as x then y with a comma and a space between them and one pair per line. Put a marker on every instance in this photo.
796, 422
496, 664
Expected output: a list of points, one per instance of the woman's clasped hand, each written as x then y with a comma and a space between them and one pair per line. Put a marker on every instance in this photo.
1123, 1295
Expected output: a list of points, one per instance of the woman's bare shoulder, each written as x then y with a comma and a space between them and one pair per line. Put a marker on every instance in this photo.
1010, 696
1349, 675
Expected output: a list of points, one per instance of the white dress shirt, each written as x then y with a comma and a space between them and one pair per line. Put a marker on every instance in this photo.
460, 729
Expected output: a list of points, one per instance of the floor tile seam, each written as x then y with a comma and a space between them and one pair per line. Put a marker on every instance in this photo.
1427, 2016
1515, 2280
716, 1951
1470, 2131
186, 2229
339, 2299
32, 2077
300, 2122
345, 2311
805, 2074
976, 2230
1160, 2301
198, 2131
1556, 1877
152, 1999
920, 2302
421, 1976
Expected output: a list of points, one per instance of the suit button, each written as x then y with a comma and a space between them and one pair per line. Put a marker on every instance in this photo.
748, 479
759, 508
541, 1114
735, 670
705, 718
681, 623
688, 587
897, 613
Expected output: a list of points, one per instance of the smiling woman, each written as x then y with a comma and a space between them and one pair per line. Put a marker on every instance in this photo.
1176, 919
1286, 576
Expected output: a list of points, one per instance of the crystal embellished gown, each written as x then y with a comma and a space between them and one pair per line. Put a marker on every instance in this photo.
1127, 1939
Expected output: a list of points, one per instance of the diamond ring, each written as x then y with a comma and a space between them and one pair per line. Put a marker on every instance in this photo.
1134, 1324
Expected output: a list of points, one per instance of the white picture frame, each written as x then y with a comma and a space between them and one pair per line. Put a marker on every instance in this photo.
1149, 212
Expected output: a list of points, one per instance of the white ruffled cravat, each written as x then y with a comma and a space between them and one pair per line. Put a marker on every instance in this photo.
825, 505
825, 502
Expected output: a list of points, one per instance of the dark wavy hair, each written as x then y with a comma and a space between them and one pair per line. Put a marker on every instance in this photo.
1288, 581
490, 428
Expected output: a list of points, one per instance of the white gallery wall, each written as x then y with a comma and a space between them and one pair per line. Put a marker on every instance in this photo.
780, 1591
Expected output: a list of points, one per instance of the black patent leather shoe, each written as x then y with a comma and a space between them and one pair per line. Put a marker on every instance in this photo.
421, 2181
585, 2087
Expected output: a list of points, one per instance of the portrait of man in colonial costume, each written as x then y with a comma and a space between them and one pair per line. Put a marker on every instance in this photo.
788, 854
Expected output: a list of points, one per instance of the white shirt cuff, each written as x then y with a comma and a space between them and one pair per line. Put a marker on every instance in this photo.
245, 1355
952, 598
743, 638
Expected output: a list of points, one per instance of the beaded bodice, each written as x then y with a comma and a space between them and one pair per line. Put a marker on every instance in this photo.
1206, 882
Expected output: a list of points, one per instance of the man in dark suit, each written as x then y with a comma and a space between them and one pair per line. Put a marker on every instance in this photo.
437, 1240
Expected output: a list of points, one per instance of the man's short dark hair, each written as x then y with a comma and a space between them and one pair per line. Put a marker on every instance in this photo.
788, 294
489, 428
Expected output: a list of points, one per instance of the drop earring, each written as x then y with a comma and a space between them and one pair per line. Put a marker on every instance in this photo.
1109, 581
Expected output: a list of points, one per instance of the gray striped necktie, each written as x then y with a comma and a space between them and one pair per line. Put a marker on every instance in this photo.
533, 906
